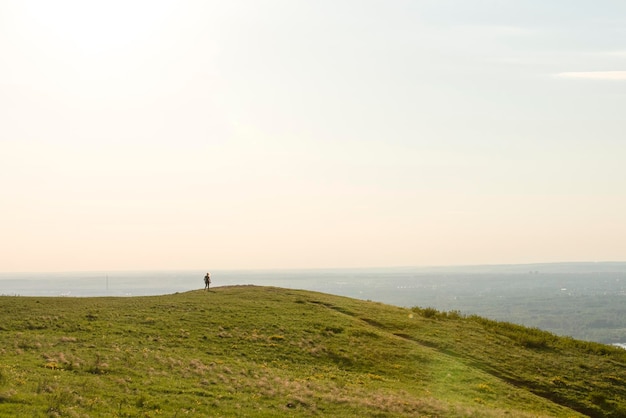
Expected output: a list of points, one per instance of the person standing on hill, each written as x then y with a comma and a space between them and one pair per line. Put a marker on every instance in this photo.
207, 281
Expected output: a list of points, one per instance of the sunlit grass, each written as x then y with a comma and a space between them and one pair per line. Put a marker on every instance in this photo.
253, 351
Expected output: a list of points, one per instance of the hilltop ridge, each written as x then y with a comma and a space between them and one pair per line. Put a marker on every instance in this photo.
266, 351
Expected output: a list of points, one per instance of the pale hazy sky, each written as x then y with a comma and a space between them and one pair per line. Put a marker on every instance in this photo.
286, 134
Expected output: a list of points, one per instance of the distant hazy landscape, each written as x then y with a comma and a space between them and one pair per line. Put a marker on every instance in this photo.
582, 300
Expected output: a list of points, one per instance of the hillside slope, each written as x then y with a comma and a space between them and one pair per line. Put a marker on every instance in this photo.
262, 351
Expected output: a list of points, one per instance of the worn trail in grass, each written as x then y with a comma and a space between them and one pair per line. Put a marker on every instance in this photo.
262, 351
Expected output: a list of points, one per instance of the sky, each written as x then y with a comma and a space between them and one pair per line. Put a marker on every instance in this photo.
173, 134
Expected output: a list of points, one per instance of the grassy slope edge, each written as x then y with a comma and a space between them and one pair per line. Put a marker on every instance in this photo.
262, 351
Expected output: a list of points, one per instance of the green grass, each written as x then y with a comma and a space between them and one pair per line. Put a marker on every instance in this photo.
262, 351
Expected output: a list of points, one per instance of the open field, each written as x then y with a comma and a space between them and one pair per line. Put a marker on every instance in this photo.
266, 351
581, 300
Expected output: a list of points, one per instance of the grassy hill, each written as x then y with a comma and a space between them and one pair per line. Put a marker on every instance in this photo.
262, 351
